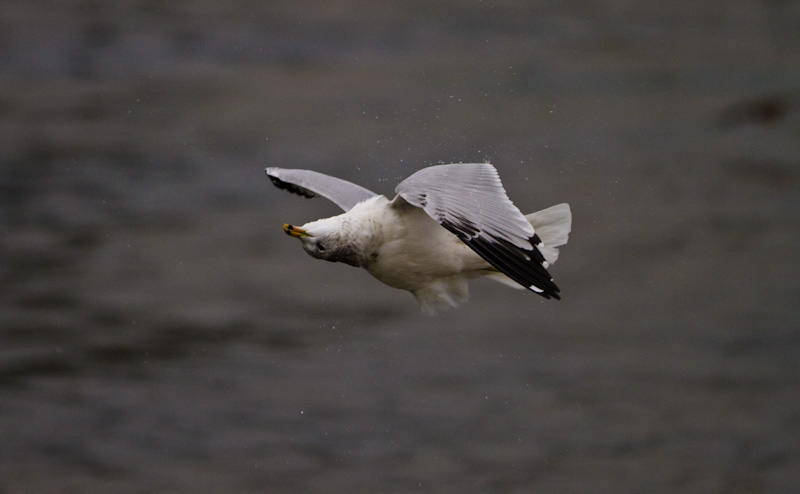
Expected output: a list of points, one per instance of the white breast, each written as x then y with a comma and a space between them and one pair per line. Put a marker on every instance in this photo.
417, 251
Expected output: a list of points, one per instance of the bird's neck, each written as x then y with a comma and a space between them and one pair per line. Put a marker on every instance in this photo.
369, 236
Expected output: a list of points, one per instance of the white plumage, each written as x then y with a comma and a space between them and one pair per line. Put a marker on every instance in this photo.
447, 224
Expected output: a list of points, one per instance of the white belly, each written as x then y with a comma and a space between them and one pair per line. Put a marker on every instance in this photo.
421, 253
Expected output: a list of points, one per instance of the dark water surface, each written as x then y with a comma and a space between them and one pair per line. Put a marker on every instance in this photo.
159, 333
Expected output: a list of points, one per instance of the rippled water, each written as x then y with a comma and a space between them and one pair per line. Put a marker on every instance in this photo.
159, 333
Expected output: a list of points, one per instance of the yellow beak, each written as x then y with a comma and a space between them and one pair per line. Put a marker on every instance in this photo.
295, 231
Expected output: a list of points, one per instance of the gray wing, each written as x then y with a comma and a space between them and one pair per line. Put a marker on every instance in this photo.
313, 184
469, 200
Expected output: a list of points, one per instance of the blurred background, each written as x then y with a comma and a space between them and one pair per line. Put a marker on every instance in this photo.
160, 333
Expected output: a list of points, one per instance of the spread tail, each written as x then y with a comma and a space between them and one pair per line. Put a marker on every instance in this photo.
553, 226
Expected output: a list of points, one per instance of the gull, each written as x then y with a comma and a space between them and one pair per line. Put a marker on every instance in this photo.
446, 225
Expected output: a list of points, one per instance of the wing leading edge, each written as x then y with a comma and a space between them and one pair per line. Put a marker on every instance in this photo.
310, 184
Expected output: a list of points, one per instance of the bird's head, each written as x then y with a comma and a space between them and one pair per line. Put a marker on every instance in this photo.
328, 239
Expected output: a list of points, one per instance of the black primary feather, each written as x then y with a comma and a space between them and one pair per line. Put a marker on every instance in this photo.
524, 267
294, 189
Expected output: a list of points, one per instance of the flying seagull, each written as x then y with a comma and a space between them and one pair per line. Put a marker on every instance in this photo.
446, 225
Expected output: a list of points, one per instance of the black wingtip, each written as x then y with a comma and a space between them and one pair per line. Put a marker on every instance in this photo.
294, 189
549, 295
523, 266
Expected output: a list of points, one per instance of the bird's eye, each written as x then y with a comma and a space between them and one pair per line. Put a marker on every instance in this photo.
320, 247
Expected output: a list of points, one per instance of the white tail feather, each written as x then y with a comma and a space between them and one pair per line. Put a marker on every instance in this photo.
553, 226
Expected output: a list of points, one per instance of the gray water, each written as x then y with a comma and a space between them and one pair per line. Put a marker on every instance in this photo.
159, 332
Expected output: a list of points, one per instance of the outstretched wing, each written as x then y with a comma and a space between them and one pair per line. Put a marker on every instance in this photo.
469, 200
313, 184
